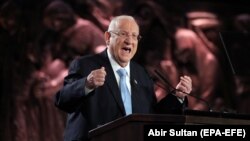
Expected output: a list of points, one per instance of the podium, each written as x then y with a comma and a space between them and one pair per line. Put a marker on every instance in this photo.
131, 127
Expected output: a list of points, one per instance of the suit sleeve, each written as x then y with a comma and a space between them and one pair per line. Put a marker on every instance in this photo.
70, 96
171, 105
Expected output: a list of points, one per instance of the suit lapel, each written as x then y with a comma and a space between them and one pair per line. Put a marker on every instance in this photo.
111, 81
140, 102
134, 89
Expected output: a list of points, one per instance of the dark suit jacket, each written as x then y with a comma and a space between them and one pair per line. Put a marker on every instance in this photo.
104, 104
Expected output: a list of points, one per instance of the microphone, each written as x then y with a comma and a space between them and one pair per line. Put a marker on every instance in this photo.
174, 89
228, 58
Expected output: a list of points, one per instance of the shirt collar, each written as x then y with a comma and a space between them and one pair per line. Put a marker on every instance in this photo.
115, 65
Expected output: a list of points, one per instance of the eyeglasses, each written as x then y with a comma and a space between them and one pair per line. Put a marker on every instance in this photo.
124, 35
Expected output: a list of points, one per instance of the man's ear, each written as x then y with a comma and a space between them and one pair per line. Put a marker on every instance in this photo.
107, 37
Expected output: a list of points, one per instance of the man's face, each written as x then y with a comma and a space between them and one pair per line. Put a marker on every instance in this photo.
122, 40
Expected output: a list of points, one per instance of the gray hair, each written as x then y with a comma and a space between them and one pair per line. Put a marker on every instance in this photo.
116, 19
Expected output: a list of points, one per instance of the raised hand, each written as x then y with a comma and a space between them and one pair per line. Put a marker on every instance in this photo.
96, 78
184, 87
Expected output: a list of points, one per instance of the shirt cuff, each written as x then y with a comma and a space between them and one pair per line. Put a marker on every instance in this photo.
87, 90
181, 100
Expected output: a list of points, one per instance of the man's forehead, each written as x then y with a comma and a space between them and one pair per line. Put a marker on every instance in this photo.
121, 21
125, 24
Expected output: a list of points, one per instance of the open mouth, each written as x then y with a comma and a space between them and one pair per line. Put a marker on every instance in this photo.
127, 49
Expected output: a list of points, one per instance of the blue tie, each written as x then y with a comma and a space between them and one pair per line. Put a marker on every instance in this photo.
126, 97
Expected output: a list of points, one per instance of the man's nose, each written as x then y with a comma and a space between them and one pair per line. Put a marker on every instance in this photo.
129, 38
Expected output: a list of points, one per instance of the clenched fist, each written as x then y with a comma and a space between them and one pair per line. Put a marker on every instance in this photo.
184, 87
96, 78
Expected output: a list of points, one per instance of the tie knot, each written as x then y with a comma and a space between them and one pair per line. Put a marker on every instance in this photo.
121, 72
